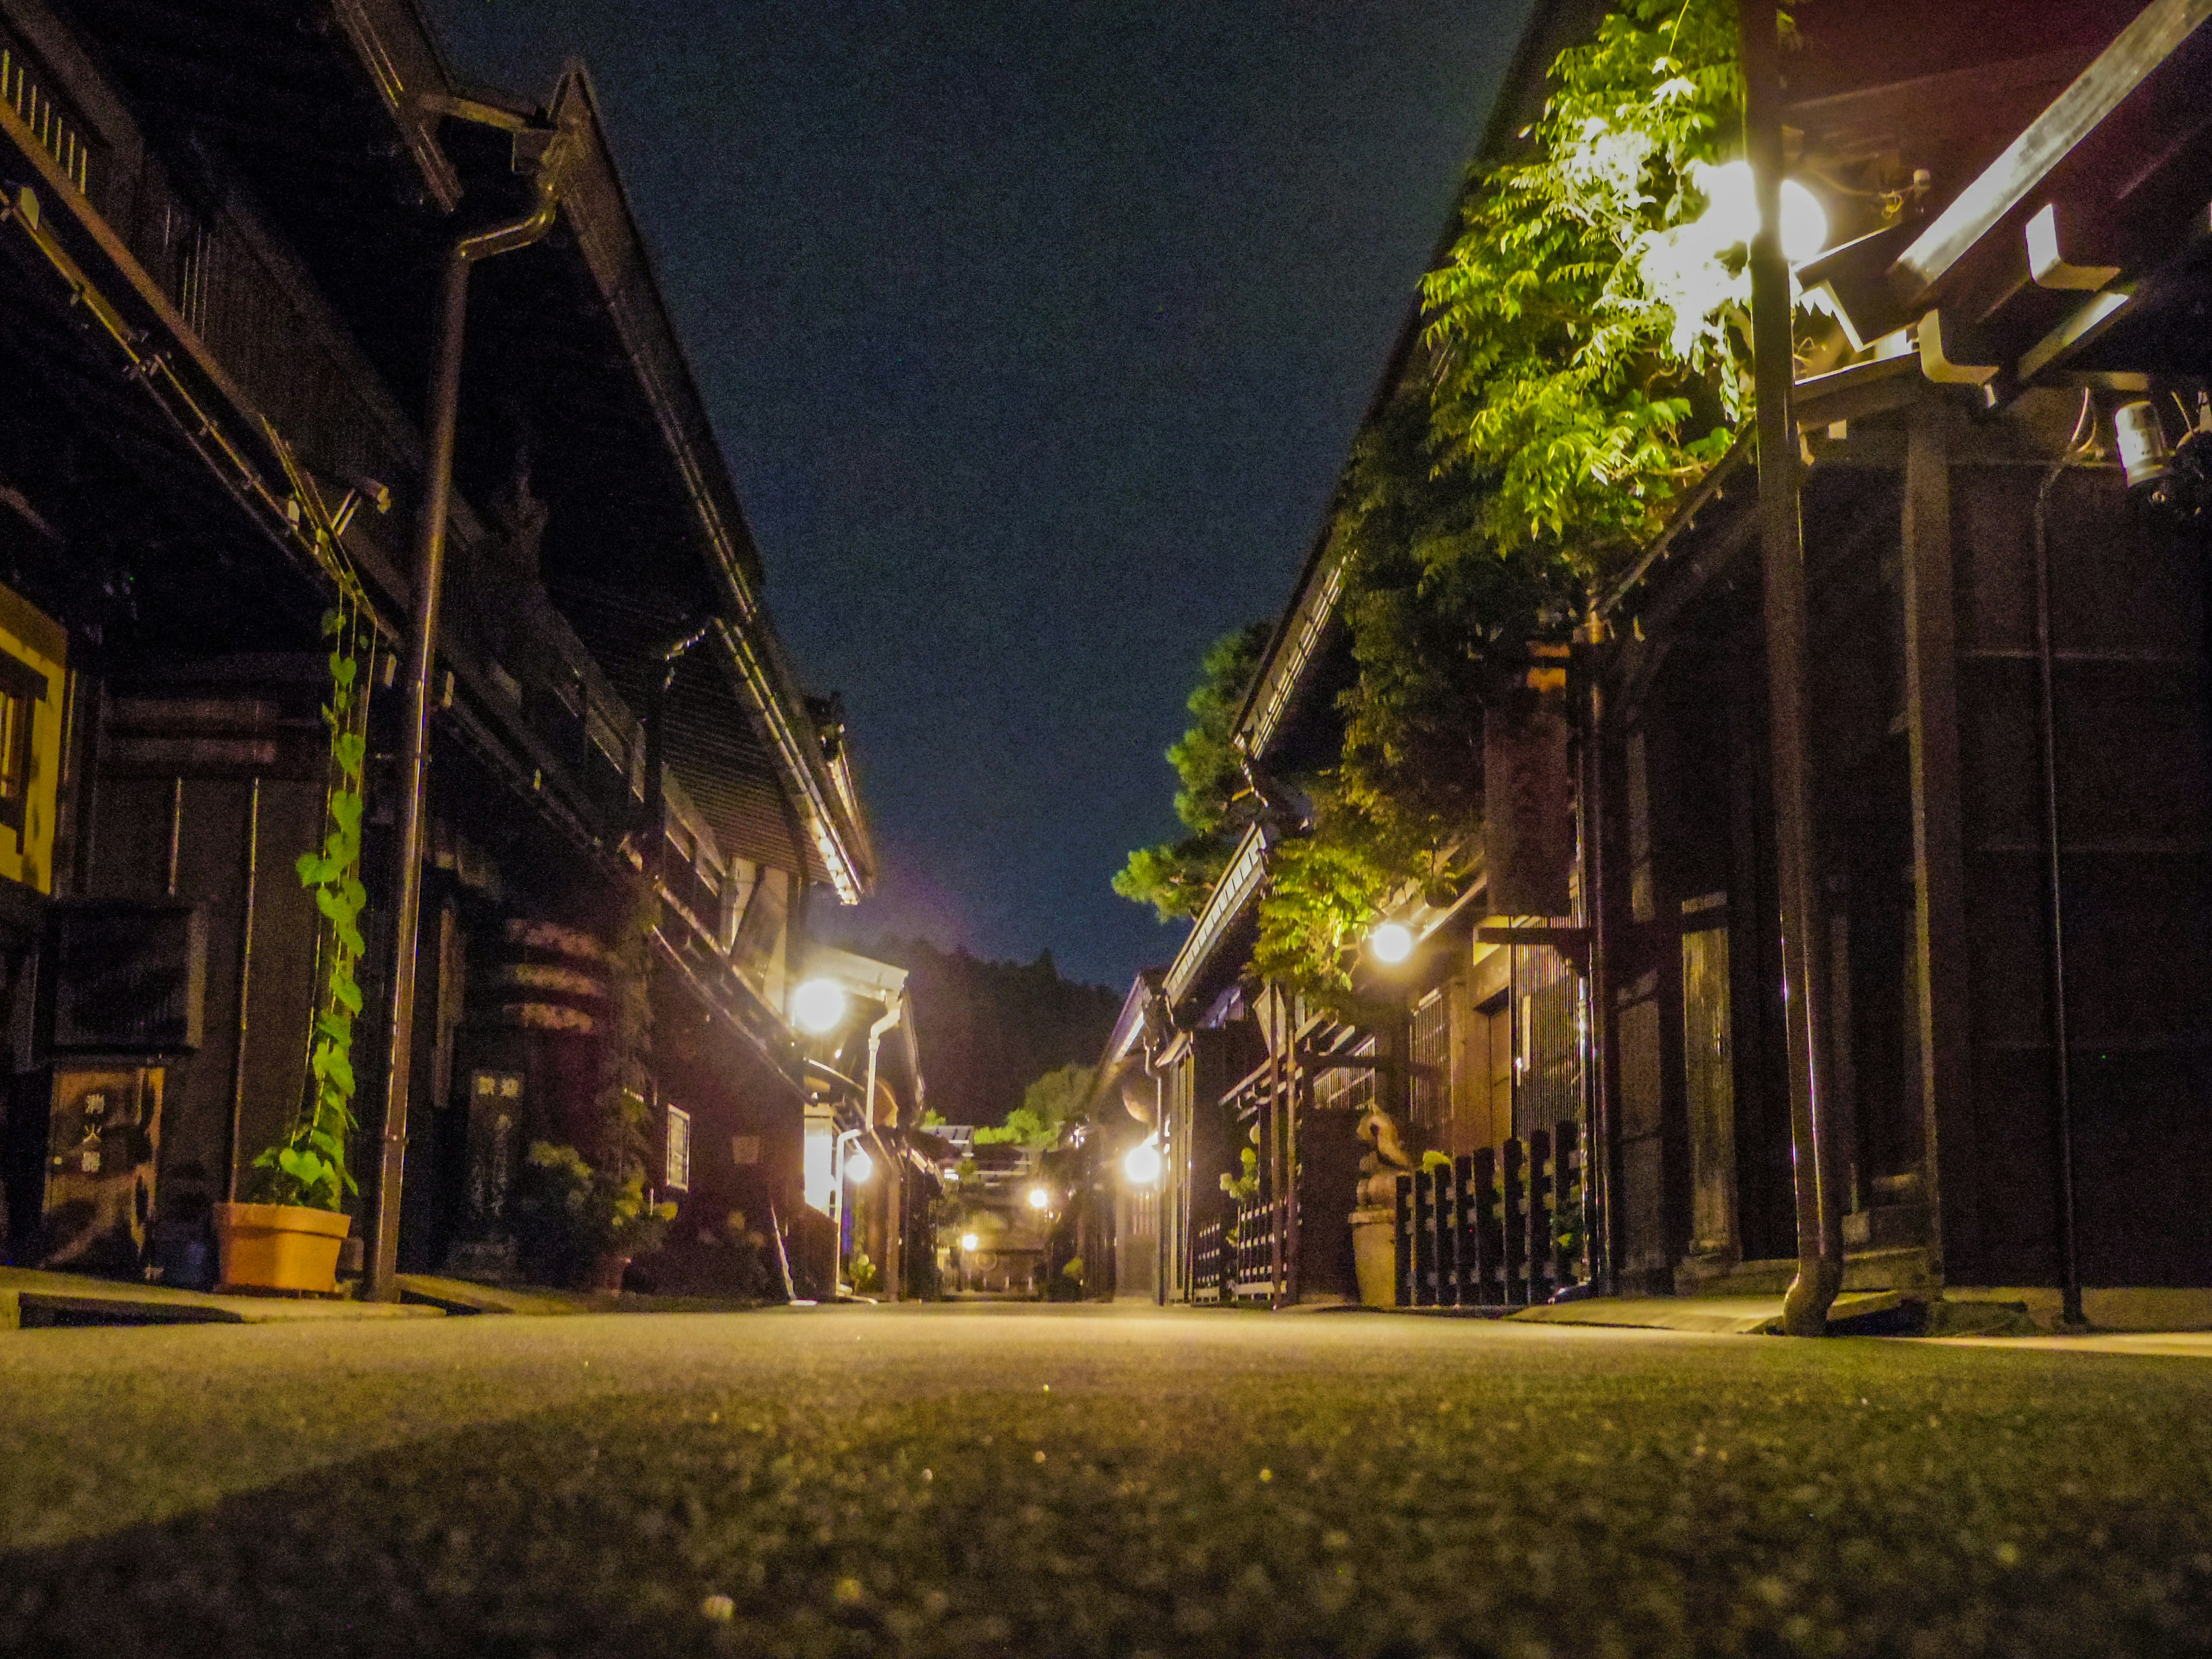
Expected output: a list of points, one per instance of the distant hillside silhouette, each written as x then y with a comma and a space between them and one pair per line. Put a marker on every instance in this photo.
988, 1029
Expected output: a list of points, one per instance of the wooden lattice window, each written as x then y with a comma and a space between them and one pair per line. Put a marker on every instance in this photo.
26, 89
1428, 1094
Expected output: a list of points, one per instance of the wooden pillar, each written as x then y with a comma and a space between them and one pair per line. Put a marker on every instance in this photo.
1931, 714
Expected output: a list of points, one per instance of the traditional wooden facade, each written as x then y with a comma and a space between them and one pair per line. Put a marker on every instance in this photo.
2000, 922
221, 240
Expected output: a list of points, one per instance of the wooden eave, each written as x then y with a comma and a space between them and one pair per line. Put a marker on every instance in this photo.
2079, 249
1197, 963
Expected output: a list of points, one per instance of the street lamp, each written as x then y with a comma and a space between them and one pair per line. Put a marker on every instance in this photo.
1142, 1166
1731, 215
859, 1166
818, 1006
1039, 1198
968, 1243
1392, 942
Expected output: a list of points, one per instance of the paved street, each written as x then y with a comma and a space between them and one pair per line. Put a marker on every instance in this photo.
1029, 1480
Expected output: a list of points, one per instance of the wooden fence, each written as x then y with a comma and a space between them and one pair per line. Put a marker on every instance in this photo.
1497, 1228
1238, 1260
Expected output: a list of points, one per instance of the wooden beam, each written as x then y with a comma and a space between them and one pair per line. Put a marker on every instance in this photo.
2007, 182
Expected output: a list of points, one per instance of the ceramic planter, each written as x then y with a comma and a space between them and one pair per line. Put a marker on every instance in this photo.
280, 1247
1374, 1255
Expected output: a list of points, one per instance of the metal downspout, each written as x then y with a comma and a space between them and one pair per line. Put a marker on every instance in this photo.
1598, 1217
1781, 546
2046, 732
421, 656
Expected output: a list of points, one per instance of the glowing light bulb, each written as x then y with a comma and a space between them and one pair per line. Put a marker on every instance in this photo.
1039, 1198
818, 1006
969, 1241
1142, 1166
1391, 941
1731, 215
859, 1166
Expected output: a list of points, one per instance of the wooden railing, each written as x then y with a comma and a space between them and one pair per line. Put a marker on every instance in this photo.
1238, 1260
1484, 1231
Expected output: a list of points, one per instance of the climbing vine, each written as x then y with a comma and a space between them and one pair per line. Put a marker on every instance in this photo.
310, 1165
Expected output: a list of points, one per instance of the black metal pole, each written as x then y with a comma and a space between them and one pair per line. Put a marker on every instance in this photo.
1820, 1220
2061, 1058
1599, 1219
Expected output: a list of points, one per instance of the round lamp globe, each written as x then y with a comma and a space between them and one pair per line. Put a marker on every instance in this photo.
1392, 942
1142, 1166
818, 1007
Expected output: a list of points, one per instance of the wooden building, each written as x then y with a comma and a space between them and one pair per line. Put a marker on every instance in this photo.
222, 237
2004, 916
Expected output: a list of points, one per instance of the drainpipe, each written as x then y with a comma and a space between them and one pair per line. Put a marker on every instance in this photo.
421, 655
1599, 1218
2062, 1078
845, 1138
1782, 549
894, 1262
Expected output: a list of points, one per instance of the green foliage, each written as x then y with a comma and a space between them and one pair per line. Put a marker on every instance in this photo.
931, 1119
310, 1165
861, 1273
1048, 1106
1587, 359
569, 1215
1175, 877
1580, 328
1245, 1187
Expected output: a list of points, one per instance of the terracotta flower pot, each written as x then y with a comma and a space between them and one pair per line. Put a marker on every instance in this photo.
280, 1247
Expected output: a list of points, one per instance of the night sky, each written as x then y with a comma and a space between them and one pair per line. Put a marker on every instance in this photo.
1036, 334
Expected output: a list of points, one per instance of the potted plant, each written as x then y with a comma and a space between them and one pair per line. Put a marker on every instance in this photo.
581, 1226
289, 1236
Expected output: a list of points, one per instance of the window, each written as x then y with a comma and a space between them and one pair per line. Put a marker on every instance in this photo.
677, 1175
1346, 1088
1549, 1091
58, 128
1429, 1093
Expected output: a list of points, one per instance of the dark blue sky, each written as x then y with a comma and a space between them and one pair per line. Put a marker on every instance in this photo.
1036, 334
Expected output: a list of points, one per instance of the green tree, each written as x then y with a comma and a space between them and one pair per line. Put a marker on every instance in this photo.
1214, 803
1586, 361
1048, 1106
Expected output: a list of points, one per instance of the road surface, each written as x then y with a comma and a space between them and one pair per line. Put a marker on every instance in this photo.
1044, 1481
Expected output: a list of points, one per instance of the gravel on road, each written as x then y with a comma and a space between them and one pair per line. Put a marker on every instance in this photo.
1043, 1481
